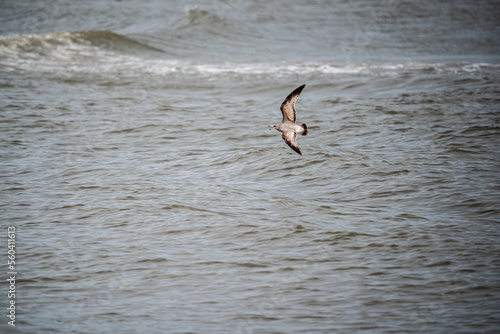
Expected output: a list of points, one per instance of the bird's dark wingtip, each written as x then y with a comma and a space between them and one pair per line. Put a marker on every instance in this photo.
299, 89
296, 149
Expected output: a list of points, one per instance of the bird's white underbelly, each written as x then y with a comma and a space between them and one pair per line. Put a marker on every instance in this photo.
290, 128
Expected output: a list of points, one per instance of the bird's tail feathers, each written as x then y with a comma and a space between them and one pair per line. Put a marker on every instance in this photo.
305, 129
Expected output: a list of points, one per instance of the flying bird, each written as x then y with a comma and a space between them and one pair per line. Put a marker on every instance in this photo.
287, 125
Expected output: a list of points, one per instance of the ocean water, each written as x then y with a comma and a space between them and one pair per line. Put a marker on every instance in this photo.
148, 194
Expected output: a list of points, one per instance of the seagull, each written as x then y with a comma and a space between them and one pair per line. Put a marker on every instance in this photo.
287, 125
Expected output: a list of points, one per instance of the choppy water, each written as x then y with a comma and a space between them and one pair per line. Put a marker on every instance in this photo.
149, 195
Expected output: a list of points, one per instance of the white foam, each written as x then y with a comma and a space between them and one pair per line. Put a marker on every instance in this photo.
75, 53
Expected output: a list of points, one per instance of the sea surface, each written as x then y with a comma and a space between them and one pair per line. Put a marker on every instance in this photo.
149, 196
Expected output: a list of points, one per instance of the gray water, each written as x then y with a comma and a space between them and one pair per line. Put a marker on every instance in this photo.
149, 196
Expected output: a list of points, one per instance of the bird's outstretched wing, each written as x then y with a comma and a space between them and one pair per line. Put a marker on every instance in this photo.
290, 138
288, 106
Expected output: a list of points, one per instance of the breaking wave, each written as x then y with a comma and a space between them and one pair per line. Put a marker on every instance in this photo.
106, 52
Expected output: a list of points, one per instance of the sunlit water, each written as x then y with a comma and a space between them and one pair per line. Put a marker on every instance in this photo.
149, 195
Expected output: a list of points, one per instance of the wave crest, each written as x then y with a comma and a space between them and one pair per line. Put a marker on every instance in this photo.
59, 43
